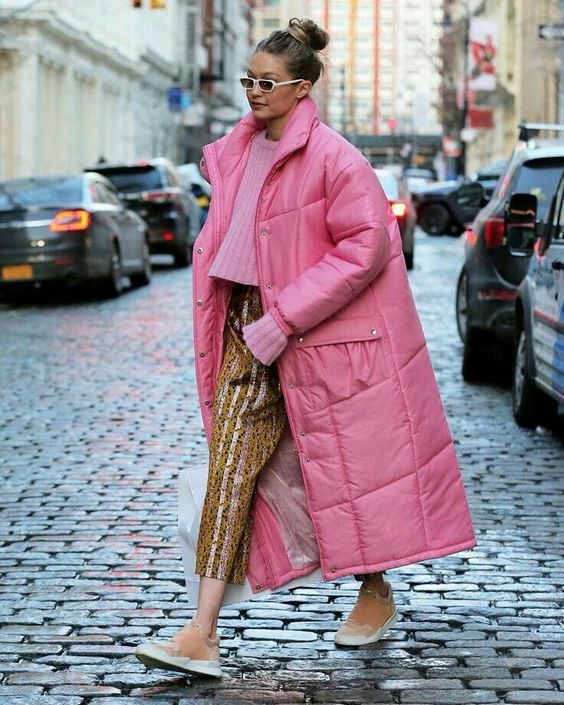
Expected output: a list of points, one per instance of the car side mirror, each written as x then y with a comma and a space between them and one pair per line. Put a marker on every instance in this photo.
521, 240
521, 209
520, 219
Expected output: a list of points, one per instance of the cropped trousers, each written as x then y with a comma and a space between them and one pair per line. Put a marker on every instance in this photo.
249, 418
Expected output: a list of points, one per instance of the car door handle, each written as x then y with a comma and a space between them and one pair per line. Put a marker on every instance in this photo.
557, 264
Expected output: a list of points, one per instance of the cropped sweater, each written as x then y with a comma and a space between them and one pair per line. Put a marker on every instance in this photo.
236, 258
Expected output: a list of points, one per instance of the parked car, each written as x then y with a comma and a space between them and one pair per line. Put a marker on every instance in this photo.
402, 207
538, 374
198, 186
488, 281
436, 205
70, 229
155, 191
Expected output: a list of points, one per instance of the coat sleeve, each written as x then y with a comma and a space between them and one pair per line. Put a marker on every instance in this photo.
358, 220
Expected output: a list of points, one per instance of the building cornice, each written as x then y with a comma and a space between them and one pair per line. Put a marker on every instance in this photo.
48, 23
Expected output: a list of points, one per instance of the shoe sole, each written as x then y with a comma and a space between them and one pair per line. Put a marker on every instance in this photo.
153, 657
344, 640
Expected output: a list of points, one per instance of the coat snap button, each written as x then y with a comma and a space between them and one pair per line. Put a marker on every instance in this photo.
206, 402
201, 354
307, 459
292, 386
200, 250
333, 570
200, 302
258, 587
300, 340
263, 234
269, 286
373, 331
302, 433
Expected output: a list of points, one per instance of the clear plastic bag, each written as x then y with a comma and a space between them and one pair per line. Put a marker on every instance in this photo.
280, 484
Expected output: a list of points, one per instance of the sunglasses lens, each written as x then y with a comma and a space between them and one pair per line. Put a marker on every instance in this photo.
247, 83
266, 85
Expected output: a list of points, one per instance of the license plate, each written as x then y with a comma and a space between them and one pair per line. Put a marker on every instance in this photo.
18, 271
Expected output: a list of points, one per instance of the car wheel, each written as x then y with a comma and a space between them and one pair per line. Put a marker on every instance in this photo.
143, 277
408, 256
112, 285
530, 407
183, 258
435, 219
462, 304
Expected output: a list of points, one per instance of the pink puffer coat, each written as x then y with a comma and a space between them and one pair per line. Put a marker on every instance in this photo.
381, 478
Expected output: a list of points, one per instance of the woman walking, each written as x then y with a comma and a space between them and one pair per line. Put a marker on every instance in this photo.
330, 454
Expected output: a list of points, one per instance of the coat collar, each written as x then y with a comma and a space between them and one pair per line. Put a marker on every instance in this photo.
296, 133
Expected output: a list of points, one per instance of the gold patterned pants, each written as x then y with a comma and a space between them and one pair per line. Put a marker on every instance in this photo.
248, 420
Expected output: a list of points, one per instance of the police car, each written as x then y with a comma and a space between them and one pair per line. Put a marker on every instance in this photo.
538, 378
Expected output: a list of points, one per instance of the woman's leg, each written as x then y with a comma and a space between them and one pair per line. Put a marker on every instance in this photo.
210, 596
376, 582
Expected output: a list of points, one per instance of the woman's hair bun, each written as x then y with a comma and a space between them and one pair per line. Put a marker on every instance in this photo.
310, 33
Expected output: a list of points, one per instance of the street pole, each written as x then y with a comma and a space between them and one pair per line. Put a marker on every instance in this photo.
465, 69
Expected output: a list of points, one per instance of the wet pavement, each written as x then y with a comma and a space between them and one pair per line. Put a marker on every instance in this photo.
98, 413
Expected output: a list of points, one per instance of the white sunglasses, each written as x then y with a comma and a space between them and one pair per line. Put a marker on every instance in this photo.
266, 85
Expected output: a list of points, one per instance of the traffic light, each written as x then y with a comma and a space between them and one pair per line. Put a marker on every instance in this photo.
158, 4
137, 3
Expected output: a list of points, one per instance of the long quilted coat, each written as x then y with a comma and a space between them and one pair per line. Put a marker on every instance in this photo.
377, 460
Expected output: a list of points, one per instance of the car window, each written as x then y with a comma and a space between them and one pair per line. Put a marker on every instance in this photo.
41, 192
134, 179
108, 195
540, 177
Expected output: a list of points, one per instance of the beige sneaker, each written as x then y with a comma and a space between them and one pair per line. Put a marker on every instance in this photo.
370, 618
190, 651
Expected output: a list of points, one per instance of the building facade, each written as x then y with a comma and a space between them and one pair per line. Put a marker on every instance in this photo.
85, 81
381, 63
527, 75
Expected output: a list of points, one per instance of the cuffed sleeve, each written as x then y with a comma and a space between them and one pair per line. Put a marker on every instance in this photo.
265, 339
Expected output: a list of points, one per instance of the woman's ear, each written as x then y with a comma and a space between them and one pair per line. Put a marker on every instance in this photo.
304, 89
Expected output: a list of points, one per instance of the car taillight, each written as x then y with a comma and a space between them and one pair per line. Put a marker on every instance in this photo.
471, 237
158, 196
399, 208
494, 232
70, 220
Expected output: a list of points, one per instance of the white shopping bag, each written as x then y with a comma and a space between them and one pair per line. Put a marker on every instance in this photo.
191, 494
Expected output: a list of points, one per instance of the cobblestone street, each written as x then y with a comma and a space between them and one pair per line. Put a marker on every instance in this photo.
99, 413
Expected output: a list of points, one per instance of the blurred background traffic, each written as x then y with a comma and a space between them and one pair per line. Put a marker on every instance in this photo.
458, 105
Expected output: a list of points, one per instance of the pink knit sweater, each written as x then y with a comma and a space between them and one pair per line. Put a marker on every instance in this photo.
236, 259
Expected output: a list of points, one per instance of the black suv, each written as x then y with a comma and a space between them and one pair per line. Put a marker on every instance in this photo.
437, 207
154, 190
487, 285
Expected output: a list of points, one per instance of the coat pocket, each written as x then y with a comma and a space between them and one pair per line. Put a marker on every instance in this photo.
337, 370
334, 331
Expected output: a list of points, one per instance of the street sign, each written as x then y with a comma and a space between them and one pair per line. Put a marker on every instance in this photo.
179, 99
551, 31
